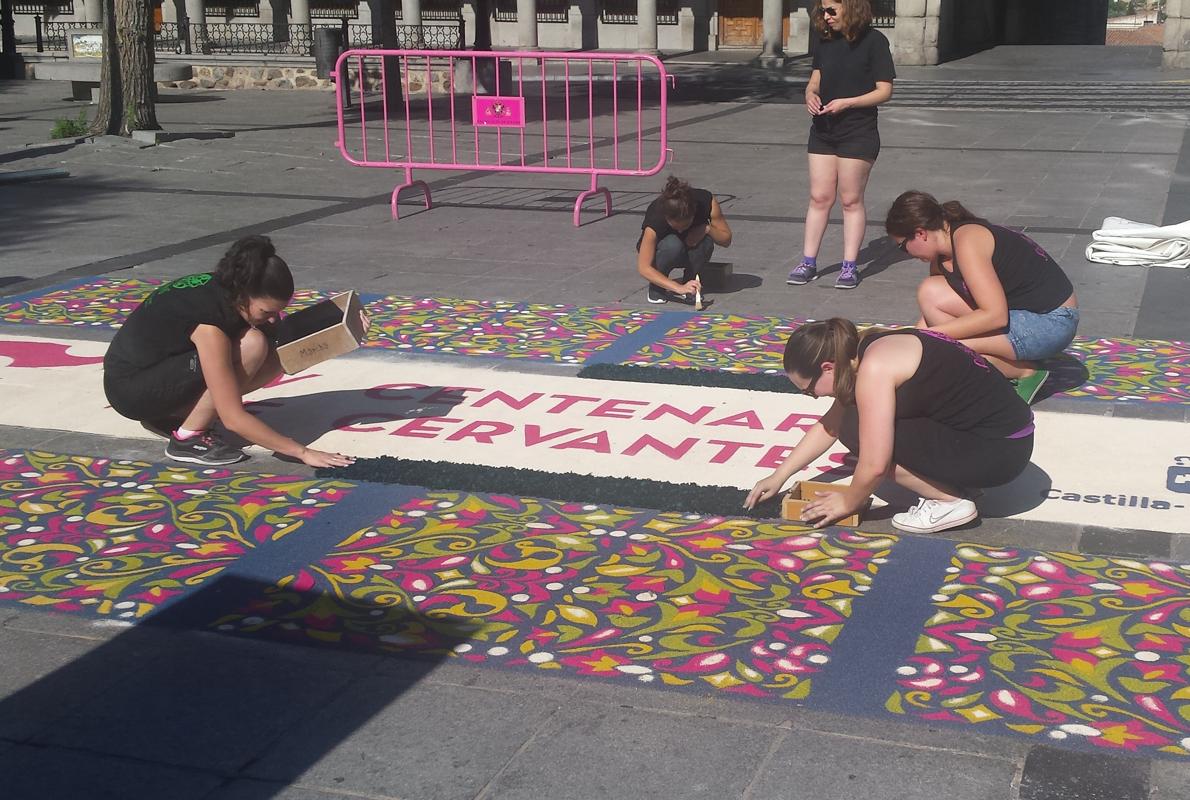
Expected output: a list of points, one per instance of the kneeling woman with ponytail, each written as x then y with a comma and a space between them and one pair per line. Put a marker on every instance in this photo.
914, 406
194, 348
995, 290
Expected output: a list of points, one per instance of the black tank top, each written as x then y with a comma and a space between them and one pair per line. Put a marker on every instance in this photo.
955, 386
1032, 280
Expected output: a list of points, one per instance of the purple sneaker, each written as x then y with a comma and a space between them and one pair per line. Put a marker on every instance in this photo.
848, 277
802, 273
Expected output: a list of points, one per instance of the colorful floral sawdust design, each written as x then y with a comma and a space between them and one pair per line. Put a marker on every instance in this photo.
1146, 370
741, 606
104, 303
728, 343
506, 330
1076, 648
119, 538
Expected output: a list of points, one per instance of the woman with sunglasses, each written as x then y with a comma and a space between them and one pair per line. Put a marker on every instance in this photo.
995, 290
852, 74
914, 406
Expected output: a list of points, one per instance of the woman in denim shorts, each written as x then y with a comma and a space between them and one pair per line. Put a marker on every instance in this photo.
994, 289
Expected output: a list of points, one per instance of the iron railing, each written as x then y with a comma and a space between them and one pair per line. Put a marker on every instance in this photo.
623, 12
884, 13
52, 35
547, 10
334, 9
55, 7
231, 8
262, 38
435, 9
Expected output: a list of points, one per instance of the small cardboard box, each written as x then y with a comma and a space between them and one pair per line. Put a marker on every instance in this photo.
805, 491
324, 330
716, 275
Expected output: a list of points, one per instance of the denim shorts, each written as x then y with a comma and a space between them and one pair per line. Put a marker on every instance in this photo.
1036, 336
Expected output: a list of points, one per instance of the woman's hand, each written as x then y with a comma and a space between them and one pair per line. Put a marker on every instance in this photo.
764, 489
318, 458
813, 103
828, 508
837, 105
690, 287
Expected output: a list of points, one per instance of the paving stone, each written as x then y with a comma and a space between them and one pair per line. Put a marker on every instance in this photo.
1052, 774
52, 773
1120, 542
627, 754
199, 704
815, 765
1169, 780
425, 741
42, 676
267, 790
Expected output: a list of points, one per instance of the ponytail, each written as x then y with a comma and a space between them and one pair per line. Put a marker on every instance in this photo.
676, 202
914, 211
251, 268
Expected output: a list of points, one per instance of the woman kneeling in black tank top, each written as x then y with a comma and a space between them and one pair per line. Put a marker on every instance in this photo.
914, 406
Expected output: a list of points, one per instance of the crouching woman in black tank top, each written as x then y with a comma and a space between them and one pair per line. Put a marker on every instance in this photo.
194, 348
914, 406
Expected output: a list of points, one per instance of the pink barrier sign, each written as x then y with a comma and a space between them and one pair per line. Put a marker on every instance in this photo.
507, 112
590, 114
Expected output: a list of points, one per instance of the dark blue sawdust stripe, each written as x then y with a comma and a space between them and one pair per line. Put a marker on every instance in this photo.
880, 636
270, 560
651, 332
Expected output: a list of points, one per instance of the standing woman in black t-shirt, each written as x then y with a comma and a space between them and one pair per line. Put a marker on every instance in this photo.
680, 230
994, 289
852, 74
194, 348
913, 406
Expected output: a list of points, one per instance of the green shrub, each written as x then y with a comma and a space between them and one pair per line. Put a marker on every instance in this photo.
69, 128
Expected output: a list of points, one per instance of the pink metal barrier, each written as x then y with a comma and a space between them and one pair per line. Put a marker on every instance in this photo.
589, 114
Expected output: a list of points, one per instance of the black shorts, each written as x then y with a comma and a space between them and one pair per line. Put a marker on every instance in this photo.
845, 141
161, 390
951, 457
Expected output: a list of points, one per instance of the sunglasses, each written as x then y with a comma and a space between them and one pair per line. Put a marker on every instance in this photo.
904, 244
809, 391
830, 12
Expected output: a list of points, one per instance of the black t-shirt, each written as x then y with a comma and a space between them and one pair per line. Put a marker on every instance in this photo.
656, 220
851, 69
957, 387
1032, 280
161, 326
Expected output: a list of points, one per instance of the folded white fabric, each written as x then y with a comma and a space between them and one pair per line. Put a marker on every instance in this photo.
1128, 243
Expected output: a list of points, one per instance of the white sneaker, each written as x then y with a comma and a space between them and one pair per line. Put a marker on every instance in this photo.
931, 516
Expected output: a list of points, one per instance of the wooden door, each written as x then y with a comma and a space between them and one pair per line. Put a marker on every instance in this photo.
740, 23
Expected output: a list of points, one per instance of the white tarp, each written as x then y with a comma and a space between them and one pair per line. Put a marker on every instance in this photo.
1087, 468
1128, 243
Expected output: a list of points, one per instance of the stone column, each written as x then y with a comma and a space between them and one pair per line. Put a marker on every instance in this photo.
299, 12
1176, 46
771, 16
194, 12
915, 39
800, 31
646, 26
92, 11
410, 12
526, 23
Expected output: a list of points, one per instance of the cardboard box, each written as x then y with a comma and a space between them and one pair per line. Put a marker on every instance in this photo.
805, 491
716, 275
324, 330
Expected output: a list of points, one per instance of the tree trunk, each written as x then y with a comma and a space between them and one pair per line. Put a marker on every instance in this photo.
134, 32
111, 94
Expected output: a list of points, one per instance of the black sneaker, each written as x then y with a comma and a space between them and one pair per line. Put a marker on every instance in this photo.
163, 427
206, 448
657, 295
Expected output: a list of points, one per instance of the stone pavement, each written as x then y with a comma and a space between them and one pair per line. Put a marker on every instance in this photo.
174, 708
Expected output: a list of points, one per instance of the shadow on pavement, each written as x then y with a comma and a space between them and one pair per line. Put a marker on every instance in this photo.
169, 709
